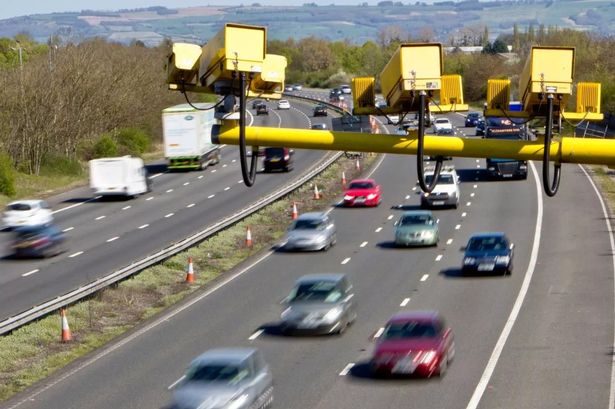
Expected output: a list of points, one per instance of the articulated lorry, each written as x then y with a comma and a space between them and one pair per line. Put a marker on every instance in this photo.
121, 176
504, 128
187, 136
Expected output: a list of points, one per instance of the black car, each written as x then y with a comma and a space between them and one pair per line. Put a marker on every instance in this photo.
256, 103
480, 126
261, 109
38, 241
472, 119
278, 159
319, 126
320, 110
488, 253
335, 92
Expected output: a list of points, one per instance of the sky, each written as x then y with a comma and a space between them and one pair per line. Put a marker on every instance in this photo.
12, 8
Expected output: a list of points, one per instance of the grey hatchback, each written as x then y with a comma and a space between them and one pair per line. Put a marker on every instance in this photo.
319, 304
311, 231
225, 378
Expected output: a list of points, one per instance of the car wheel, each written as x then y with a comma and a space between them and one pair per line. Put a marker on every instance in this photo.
343, 327
508, 270
334, 240
451, 352
443, 366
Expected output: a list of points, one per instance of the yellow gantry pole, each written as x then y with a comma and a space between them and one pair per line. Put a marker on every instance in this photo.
566, 150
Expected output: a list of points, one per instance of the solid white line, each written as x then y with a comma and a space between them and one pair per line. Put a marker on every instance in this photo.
407, 197
363, 244
346, 369
210, 196
379, 332
404, 302
439, 257
514, 313
169, 215
468, 204
227, 188
464, 214
29, 273
190, 205
100, 217
390, 217
113, 239
76, 254
143, 226
425, 277
126, 207
378, 230
68, 229
449, 241
369, 175
255, 335
458, 227
171, 386
346, 260
169, 191
472, 194
186, 183
200, 177
150, 198
609, 228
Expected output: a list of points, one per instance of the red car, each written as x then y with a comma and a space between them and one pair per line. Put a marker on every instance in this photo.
362, 192
414, 343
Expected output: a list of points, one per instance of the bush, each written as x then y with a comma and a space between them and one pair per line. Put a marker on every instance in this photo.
133, 141
60, 165
7, 175
105, 147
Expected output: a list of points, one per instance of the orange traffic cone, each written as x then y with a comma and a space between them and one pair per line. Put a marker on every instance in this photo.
295, 213
358, 165
248, 237
316, 192
190, 274
343, 180
66, 334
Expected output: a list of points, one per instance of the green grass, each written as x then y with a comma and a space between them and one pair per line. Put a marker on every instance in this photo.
604, 178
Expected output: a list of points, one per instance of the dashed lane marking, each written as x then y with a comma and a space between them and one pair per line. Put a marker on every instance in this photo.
100, 217
143, 226
225, 165
363, 244
68, 229
407, 197
379, 332
390, 217
439, 257
190, 205
345, 261
213, 171
186, 183
171, 386
169, 191
449, 241
150, 198
200, 177
457, 227
169, 215
29, 273
210, 196
255, 335
464, 214
76, 254
112, 239
425, 277
404, 302
347, 369
126, 207
378, 230
475, 186
468, 204
472, 194
227, 188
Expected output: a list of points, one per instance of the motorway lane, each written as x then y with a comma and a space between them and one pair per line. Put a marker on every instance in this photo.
164, 213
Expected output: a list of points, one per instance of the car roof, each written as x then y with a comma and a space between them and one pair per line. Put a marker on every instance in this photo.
363, 180
417, 315
234, 355
309, 278
488, 234
448, 170
282, 100
312, 216
27, 201
417, 213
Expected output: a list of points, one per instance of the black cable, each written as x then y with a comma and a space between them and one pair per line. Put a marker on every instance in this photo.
248, 177
217, 104
419, 152
550, 187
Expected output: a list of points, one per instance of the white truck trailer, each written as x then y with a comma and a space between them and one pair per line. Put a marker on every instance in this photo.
121, 176
187, 137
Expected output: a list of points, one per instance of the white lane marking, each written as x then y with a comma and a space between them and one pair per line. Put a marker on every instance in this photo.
126, 207
225, 165
169, 215
227, 188
405, 302
457, 227
514, 313
171, 386
609, 228
234, 160
100, 217
475, 186
150, 198
425, 277
113, 239
255, 335
190, 205
163, 319
76, 254
346, 260
477, 160
213, 171
169, 191
379, 332
468, 204
29, 273
472, 194
407, 197
210, 196
186, 183
363, 244
390, 217
414, 188
68, 229
143, 226
439, 257
200, 177
378, 230
75, 205
478, 166
464, 214
369, 175
449, 241
347, 369
156, 175
240, 181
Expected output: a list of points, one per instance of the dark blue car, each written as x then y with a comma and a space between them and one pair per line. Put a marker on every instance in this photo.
38, 241
472, 118
488, 253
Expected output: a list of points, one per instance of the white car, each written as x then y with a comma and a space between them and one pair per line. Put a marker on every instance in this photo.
441, 123
346, 89
283, 104
392, 119
27, 213
446, 192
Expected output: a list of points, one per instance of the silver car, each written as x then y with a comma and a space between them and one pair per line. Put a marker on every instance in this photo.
311, 231
229, 378
319, 304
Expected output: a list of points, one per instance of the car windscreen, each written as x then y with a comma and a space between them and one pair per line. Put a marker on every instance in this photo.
411, 329
473, 115
322, 291
361, 185
315, 224
230, 374
442, 180
20, 207
274, 152
487, 244
442, 121
414, 220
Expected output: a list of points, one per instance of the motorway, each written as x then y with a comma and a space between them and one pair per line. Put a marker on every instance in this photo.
541, 338
105, 235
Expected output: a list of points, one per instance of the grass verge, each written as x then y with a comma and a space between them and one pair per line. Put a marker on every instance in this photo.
34, 352
603, 176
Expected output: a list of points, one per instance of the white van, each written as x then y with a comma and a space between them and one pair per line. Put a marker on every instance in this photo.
123, 176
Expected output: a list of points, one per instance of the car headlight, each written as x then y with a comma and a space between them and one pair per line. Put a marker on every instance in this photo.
502, 259
333, 315
348, 197
238, 401
428, 234
371, 196
522, 167
469, 260
425, 194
